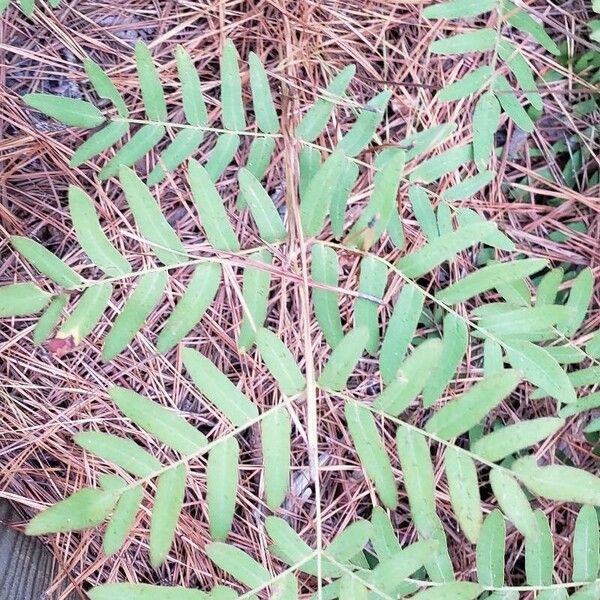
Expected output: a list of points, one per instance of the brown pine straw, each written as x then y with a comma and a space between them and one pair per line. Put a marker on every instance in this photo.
46, 400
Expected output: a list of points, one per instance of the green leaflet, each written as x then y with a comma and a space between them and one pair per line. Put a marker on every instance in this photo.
373, 278
98, 142
524, 22
516, 292
463, 486
470, 186
395, 229
443, 248
170, 490
258, 161
185, 143
444, 218
465, 411
392, 572
410, 379
540, 369
122, 520
510, 439
286, 588
442, 164
459, 590
275, 432
383, 536
423, 211
46, 263
339, 197
577, 304
315, 201
372, 453
222, 154
352, 589
150, 220
144, 591
511, 105
288, 546
539, 553
233, 115
69, 111
588, 592
478, 40
558, 482
350, 541
523, 323
587, 403
268, 221
221, 486
548, 287
163, 424
470, 84
91, 237
417, 470
124, 453
22, 299
455, 340
280, 362
194, 107
104, 87
486, 119
255, 291
513, 502
325, 270
343, 359
49, 319
198, 296
593, 346
423, 141
523, 73
566, 354
365, 126
209, 204
493, 360
400, 330
490, 550
87, 313
309, 162
508, 594
218, 388
315, 120
153, 95
141, 142
489, 277
580, 378
374, 219
259, 156
586, 545
262, 100
133, 315
83, 509
459, 9
466, 216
